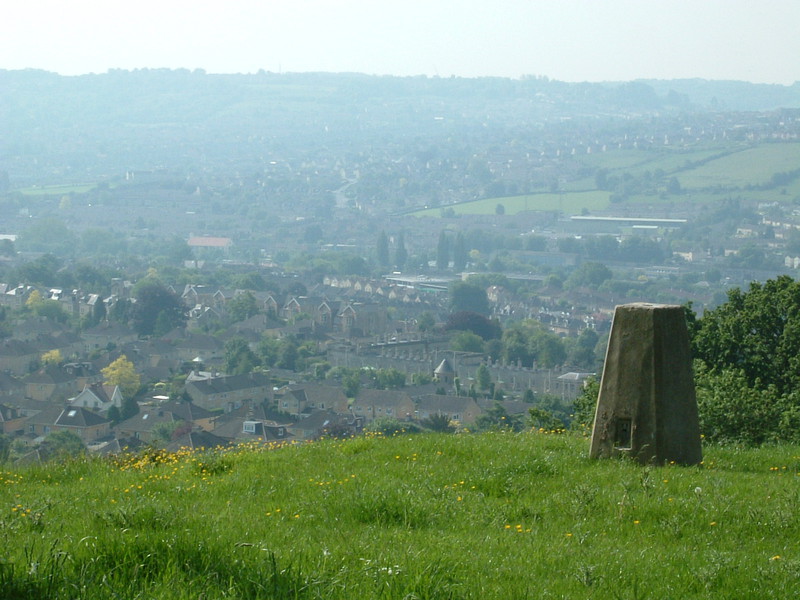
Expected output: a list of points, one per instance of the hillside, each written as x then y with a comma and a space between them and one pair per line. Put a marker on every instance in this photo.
424, 516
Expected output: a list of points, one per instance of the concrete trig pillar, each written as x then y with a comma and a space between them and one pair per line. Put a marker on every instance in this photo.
647, 406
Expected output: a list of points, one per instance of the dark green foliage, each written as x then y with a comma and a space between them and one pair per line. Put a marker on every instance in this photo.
584, 406
466, 341
129, 408
465, 296
383, 249
589, 274
732, 410
400, 253
460, 255
497, 419
465, 320
389, 379
242, 306
748, 364
438, 422
152, 299
389, 427
239, 358
483, 379
443, 252
530, 341
60, 445
114, 415
757, 332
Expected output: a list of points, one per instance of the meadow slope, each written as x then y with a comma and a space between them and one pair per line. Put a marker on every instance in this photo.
424, 516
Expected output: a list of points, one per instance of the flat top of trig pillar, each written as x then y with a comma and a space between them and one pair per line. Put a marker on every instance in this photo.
648, 306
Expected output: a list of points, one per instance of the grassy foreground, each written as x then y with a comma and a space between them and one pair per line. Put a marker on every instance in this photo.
427, 516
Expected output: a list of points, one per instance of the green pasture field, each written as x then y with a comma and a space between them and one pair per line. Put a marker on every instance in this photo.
753, 166
488, 516
668, 159
58, 190
568, 202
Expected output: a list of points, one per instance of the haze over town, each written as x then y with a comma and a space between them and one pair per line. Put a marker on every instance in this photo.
573, 40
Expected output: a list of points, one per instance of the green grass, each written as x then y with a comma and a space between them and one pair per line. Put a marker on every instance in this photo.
754, 166
58, 190
427, 516
569, 202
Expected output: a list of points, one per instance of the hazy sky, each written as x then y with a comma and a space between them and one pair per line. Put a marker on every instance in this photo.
569, 40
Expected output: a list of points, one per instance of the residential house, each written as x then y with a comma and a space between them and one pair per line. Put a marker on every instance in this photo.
17, 357
107, 333
253, 421
84, 423
98, 397
11, 421
196, 440
143, 425
192, 346
10, 386
317, 423
359, 320
51, 383
376, 404
191, 413
229, 392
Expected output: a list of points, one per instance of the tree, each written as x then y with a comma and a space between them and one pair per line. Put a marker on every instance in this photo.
383, 249
389, 379
426, 321
287, 357
351, 383
114, 415
52, 357
589, 273
466, 296
497, 419
400, 252
443, 252
582, 348
460, 255
747, 366
466, 341
242, 306
152, 299
439, 423
464, 320
61, 444
129, 408
121, 372
483, 379
758, 332
239, 358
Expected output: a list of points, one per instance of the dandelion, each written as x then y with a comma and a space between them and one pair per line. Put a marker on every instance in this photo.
776, 557
636, 522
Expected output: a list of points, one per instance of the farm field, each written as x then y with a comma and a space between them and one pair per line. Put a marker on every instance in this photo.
704, 174
57, 190
424, 516
568, 202
754, 166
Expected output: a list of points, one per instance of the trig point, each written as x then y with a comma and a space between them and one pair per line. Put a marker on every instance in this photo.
647, 407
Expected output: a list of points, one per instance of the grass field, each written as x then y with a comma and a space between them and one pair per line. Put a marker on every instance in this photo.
58, 190
568, 202
754, 166
427, 516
